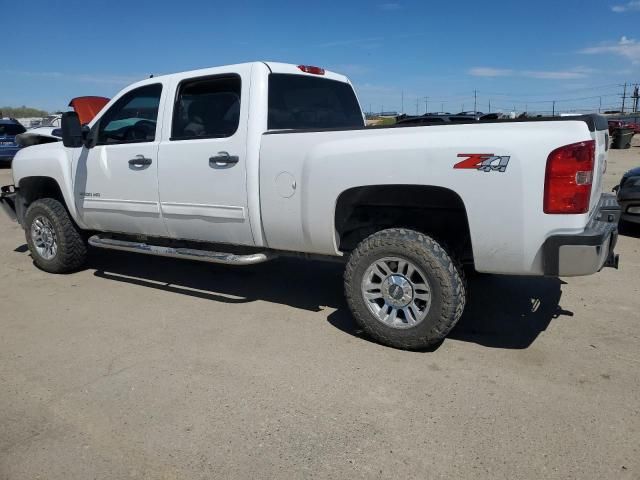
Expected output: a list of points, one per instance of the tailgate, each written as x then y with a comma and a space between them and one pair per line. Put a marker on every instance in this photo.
601, 137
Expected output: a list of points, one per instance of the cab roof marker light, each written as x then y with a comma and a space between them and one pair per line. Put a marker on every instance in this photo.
311, 69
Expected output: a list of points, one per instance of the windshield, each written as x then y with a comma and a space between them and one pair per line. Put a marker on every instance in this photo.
11, 129
303, 102
51, 121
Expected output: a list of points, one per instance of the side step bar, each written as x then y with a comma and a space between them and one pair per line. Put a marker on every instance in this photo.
185, 253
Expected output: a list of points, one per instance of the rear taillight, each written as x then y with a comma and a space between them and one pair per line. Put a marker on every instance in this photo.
311, 69
567, 183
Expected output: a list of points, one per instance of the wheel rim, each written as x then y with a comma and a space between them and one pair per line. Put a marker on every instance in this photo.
44, 238
396, 292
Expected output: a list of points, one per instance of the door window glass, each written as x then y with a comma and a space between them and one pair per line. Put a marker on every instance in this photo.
207, 108
132, 119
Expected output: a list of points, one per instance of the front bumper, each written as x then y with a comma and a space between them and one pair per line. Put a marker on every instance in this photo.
586, 252
8, 197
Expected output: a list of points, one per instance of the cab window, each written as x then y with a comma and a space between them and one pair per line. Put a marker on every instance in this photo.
207, 108
132, 119
305, 102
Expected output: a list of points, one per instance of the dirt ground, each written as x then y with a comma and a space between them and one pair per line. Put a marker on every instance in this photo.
143, 367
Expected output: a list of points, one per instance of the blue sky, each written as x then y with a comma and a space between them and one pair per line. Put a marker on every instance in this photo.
514, 53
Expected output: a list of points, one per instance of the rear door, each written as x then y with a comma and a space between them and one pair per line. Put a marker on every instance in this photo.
202, 159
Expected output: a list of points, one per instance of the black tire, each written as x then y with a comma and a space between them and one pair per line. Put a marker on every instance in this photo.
445, 277
71, 247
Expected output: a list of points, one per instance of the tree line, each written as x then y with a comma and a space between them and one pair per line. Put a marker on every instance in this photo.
22, 112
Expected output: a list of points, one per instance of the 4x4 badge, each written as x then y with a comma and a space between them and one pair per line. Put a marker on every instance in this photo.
486, 162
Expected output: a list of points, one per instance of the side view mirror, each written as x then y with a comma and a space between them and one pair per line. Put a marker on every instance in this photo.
71, 130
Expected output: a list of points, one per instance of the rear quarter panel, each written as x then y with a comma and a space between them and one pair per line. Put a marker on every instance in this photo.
302, 175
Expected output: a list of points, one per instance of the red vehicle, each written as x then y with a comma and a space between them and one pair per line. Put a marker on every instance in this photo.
635, 126
88, 107
613, 124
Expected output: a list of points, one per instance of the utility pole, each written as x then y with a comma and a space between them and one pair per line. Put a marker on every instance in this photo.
624, 96
442, 107
600, 105
417, 105
426, 105
489, 106
553, 111
636, 96
402, 102
475, 101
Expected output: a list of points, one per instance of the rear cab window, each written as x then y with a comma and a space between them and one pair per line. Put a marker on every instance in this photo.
298, 102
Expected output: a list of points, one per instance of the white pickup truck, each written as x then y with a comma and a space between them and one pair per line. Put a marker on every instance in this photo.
242, 163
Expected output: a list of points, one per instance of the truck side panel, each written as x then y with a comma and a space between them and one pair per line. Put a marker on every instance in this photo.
303, 174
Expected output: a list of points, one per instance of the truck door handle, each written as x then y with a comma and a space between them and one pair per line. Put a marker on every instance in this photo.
223, 160
140, 161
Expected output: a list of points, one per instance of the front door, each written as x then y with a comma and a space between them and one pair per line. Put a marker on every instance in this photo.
116, 181
202, 165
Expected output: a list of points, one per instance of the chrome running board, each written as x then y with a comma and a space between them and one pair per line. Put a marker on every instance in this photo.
185, 253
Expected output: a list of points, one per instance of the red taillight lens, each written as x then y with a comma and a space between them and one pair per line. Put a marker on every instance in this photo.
311, 69
567, 183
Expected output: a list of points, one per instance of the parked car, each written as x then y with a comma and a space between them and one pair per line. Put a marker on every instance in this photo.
635, 126
628, 193
243, 163
9, 128
615, 124
437, 119
51, 131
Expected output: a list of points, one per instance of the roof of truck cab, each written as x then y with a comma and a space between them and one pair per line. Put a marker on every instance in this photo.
274, 67
277, 67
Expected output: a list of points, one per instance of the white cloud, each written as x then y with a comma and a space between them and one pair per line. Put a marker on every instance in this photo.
490, 72
632, 5
625, 47
389, 6
570, 74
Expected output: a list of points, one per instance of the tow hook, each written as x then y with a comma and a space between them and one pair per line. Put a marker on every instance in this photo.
612, 260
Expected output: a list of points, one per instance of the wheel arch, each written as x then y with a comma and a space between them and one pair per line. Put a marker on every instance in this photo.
437, 211
35, 187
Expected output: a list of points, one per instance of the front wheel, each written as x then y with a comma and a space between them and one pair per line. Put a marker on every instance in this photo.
404, 289
55, 242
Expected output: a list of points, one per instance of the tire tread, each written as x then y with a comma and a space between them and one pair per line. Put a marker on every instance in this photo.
72, 247
447, 270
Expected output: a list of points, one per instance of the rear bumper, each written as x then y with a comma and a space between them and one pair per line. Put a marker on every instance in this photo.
8, 196
589, 251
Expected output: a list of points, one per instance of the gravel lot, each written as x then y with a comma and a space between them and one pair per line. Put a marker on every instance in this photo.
143, 367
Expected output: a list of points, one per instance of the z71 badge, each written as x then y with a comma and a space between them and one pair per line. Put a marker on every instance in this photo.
486, 162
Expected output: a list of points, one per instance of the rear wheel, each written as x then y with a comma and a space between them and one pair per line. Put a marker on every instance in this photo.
404, 289
55, 242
